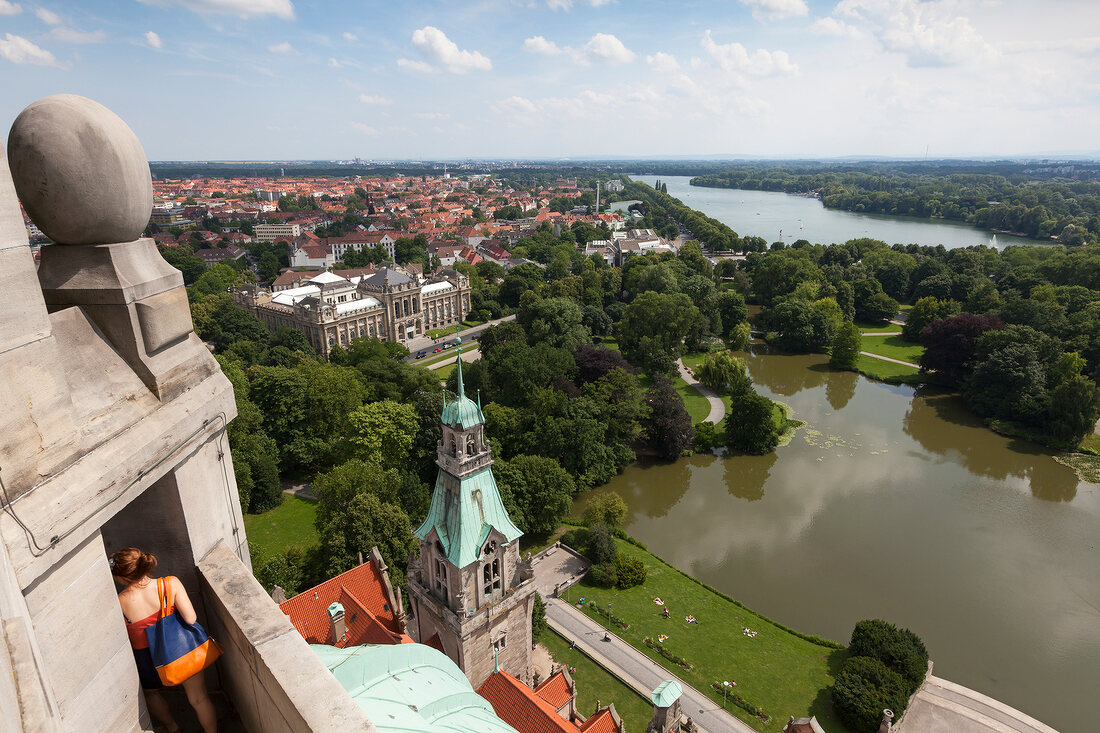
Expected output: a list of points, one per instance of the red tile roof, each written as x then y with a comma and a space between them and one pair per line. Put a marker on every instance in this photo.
601, 722
555, 690
518, 706
368, 615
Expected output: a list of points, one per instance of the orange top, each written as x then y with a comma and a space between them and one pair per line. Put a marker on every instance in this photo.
136, 629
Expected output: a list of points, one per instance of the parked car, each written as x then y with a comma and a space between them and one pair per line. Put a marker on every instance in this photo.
436, 351
421, 354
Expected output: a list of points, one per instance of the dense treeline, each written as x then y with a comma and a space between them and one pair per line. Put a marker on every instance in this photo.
1024, 201
1017, 332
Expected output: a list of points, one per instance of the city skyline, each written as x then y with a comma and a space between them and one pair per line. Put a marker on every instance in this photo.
549, 79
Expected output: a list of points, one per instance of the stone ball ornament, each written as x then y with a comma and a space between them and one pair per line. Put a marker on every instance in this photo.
80, 171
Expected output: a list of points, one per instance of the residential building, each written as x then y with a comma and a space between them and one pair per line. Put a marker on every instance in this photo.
270, 232
215, 255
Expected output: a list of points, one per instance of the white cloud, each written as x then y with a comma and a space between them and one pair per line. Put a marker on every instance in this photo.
350, 36
540, 45
606, 47
153, 40
8, 8
283, 47
928, 32
242, 8
776, 9
433, 116
442, 51
662, 62
365, 129
334, 63
19, 50
834, 27
735, 57
422, 67
567, 4
368, 99
518, 105
601, 48
71, 35
48, 17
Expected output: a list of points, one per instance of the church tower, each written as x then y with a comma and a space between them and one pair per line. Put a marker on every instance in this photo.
470, 594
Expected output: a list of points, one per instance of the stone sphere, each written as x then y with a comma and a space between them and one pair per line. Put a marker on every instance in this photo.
80, 171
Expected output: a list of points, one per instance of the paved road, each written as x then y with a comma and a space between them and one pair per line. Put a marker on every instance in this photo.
426, 344
636, 669
886, 358
468, 355
717, 407
880, 333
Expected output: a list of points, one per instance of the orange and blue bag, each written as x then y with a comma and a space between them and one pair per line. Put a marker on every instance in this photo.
179, 650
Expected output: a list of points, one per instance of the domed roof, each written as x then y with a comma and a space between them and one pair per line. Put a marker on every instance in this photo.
462, 413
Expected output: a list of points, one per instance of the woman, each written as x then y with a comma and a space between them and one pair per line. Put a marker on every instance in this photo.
140, 603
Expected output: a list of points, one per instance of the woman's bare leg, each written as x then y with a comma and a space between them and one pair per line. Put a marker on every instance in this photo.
158, 706
204, 707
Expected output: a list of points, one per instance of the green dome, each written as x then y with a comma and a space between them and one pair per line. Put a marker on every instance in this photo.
462, 412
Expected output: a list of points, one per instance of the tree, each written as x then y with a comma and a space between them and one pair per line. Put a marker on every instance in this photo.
538, 618
366, 522
554, 321
879, 307
1074, 409
865, 687
653, 329
949, 345
1008, 384
846, 347
924, 311
629, 572
668, 430
606, 508
799, 326
384, 431
537, 492
732, 309
594, 362
899, 649
750, 424
724, 373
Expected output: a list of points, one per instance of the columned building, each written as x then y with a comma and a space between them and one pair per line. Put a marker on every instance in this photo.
392, 304
470, 594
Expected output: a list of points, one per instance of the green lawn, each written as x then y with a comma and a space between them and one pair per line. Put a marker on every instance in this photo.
894, 347
878, 328
776, 670
288, 524
443, 372
884, 370
595, 683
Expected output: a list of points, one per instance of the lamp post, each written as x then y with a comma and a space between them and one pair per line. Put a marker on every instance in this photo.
725, 691
609, 618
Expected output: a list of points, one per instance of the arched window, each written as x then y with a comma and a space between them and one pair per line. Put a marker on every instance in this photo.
454, 448
491, 577
470, 448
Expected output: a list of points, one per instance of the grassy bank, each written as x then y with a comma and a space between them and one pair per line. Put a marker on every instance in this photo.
894, 347
287, 525
595, 683
888, 371
778, 670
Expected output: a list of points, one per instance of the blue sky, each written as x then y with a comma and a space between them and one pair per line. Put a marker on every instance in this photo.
291, 79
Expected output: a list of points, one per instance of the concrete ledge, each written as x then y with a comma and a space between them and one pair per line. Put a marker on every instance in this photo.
275, 680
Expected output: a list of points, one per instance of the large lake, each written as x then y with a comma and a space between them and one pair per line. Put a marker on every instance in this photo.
781, 215
896, 502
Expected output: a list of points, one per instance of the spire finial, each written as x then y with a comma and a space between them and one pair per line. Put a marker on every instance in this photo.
479, 398
496, 659
458, 350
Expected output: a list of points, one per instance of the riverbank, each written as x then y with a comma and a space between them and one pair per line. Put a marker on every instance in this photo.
777, 670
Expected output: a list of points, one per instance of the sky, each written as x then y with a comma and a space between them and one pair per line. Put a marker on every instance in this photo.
407, 79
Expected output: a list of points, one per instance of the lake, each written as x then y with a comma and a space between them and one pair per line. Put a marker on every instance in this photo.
895, 502
782, 215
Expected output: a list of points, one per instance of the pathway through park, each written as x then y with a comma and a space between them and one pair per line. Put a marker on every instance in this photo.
634, 668
717, 407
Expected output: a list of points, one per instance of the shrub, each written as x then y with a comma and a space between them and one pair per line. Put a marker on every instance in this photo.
538, 618
706, 437
630, 570
576, 538
604, 575
605, 508
865, 687
899, 649
601, 548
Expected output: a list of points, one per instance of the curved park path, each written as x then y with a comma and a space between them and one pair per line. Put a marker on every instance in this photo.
634, 668
717, 408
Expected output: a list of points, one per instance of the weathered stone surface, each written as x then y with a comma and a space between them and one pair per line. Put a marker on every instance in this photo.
80, 171
164, 319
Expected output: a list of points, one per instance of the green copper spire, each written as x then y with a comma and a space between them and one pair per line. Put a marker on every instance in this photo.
458, 349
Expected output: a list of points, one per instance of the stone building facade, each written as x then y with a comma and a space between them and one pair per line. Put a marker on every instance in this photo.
393, 304
470, 593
